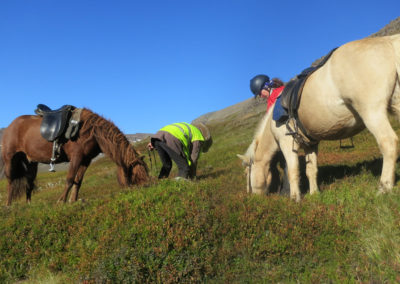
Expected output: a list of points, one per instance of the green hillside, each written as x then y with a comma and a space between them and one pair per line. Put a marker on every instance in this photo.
209, 230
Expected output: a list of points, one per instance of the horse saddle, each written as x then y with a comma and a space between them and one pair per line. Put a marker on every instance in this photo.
289, 101
54, 122
290, 95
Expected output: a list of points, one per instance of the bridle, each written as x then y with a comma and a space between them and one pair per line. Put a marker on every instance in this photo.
249, 176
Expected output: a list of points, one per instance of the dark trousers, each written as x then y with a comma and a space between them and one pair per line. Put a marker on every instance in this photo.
166, 154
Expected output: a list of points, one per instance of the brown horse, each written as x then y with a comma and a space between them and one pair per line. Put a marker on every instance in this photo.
23, 147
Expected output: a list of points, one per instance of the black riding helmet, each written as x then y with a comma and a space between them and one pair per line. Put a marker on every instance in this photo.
257, 83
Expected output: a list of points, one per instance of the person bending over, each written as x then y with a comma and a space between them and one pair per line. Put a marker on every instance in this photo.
181, 143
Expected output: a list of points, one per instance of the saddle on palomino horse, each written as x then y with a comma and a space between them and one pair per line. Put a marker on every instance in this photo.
58, 126
289, 100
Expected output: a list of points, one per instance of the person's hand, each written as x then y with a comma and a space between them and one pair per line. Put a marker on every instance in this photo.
150, 146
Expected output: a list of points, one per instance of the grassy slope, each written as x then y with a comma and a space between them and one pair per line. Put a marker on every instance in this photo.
209, 230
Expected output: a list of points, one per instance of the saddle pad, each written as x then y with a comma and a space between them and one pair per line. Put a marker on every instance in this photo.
73, 124
279, 114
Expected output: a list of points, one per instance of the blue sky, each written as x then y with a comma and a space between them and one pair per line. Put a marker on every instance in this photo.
145, 64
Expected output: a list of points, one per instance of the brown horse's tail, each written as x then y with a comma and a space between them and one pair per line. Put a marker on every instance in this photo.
22, 176
19, 187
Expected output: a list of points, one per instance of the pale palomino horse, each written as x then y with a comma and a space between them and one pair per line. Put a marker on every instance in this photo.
356, 88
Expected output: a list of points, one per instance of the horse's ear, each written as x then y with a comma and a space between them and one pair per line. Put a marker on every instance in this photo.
245, 160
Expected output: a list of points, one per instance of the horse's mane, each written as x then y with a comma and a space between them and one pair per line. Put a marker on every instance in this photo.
111, 140
258, 134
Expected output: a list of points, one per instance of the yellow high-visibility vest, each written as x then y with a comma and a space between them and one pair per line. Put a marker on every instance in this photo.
185, 133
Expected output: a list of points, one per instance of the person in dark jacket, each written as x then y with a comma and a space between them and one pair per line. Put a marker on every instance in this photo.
182, 143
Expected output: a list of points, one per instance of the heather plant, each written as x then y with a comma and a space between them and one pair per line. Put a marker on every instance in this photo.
210, 229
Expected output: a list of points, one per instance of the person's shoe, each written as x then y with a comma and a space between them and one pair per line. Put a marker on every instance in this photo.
180, 179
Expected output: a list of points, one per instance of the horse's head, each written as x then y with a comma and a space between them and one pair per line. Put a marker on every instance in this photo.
261, 176
135, 173
256, 180
139, 171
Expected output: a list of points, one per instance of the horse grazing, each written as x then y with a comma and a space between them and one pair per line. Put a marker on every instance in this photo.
354, 89
23, 147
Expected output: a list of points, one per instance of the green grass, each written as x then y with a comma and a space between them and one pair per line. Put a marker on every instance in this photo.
208, 230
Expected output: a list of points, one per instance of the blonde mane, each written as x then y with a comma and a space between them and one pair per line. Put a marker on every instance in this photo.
258, 134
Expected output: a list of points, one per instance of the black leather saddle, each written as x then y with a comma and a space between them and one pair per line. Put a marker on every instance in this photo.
54, 122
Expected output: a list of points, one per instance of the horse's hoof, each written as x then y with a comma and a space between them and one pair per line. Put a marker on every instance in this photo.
384, 189
295, 198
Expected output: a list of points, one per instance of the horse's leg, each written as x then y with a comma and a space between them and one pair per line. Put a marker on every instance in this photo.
72, 171
31, 176
77, 183
290, 151
378, 124
312, 167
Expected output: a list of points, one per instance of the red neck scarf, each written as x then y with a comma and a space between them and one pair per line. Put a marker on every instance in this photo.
273, 96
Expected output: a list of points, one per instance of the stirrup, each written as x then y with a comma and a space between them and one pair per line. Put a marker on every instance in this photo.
52, 169
289, 130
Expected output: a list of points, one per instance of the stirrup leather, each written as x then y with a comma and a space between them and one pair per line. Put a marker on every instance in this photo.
54, 155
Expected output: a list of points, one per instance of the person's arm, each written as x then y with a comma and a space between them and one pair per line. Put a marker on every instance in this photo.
194, 156
158, 136
196, 148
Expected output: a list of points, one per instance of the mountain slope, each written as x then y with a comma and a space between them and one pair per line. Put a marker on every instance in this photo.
390, 29
209, 230
249, 106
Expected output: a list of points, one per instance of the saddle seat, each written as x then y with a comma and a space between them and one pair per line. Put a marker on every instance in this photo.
54, 122
290, 95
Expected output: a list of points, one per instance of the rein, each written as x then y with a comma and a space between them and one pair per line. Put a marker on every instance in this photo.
151, 160
249, 176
